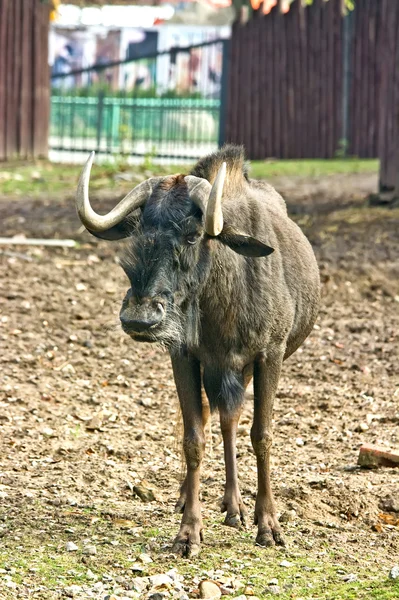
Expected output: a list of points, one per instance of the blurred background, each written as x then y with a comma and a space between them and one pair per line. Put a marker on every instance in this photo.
290, 79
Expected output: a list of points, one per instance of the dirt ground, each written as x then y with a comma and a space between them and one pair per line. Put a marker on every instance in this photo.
86, 415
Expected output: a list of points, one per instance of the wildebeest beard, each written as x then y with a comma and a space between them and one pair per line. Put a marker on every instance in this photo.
161, 262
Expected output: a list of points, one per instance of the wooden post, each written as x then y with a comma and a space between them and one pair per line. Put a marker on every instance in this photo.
24, 78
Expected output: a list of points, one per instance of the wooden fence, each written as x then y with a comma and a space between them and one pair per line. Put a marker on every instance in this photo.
24, 78
306, 84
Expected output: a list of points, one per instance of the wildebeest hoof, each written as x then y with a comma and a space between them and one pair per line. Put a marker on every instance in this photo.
187, 542
269, 537
236, 520
236, 513
233, 521
185, 549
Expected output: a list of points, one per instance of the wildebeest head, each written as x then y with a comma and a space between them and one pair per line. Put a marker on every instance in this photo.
170, 222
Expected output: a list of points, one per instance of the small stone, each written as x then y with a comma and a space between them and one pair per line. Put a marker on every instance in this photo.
209, 589
91, 575
145, 494
139, 584
72, 591
361, 427
175, 575
286, 563
390, 504
226, 591
394, 572
48, 432
160, 580
137, 568
241, 597
147, 402
287, 516
273, 589
95, 422
145, 559
73, 338
71, 547
156, 596
80, 287
299, 442
349, 578
273, 581
11, 584
98, 586
238, 585
90, 550
248, 591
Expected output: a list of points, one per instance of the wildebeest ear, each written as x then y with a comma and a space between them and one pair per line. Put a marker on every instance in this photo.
244, 244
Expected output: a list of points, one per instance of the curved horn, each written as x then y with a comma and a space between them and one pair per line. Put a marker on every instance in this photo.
96, 223
214, 214
199, 190
209, 199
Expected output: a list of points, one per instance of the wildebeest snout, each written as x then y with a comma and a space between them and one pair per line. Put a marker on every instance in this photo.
140, 315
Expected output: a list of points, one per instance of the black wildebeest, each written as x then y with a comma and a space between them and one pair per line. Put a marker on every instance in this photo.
221, 276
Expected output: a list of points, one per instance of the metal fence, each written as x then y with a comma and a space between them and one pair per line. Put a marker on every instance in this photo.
167, 104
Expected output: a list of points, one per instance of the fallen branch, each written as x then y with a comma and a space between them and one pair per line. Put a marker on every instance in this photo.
22, 241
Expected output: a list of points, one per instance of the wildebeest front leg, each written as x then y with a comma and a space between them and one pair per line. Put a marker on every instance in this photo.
187, 376
266, 376
232, 502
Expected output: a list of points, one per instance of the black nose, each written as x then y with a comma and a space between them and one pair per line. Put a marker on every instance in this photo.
137, 325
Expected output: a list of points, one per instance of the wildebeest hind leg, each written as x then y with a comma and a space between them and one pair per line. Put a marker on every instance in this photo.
232, 502
266, 375
186, 371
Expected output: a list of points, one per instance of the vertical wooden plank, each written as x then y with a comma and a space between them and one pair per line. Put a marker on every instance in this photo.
276, 103
270, 85
303, 89
4, 6
44, 80
372, 107
338, 73
265, 89
10, 101
26, 83
17, 70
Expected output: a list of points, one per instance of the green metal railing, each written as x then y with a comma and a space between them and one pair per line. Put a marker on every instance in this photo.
120, 121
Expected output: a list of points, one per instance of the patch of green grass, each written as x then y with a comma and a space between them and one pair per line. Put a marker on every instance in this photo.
311, 167
38, 554
43, 178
